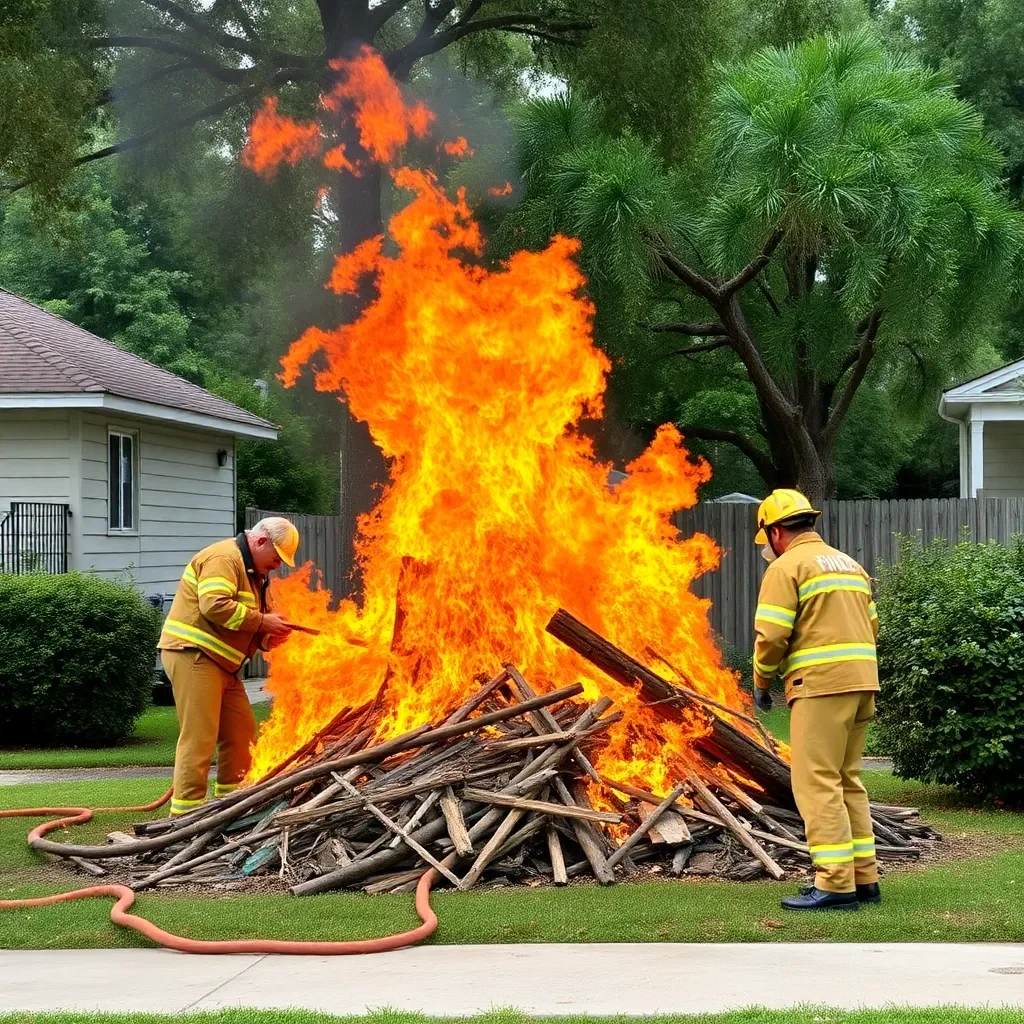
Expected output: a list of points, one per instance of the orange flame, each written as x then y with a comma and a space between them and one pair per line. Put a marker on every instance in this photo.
275, 139
474, 381
501, 190
457, 147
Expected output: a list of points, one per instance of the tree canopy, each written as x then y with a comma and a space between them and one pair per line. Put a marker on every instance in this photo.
845, 229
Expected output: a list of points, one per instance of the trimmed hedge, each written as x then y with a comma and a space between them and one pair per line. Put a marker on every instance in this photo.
951, 660
76, 659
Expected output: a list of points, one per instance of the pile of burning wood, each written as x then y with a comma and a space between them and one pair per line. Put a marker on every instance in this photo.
503, 790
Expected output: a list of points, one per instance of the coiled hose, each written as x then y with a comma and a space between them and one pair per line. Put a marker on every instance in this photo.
124, 898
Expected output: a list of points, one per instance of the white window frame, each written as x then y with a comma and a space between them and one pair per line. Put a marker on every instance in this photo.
120, 530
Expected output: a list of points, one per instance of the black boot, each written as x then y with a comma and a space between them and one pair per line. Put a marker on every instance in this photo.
870, 893
818, 899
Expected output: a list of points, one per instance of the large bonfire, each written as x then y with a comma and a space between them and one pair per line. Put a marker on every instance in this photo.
474, 380
409, 736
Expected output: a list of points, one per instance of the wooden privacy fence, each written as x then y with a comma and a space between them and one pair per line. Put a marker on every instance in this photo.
868, 531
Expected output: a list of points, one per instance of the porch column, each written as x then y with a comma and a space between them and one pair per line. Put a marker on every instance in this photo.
977, 443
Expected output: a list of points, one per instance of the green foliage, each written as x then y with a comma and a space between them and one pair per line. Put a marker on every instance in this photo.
886, 195
76, 659
49, 89
951, 657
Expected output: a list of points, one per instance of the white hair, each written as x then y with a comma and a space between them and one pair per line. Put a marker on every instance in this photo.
274, 528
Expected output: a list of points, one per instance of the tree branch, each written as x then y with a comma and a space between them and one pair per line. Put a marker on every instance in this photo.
111, 93
380, 15
695, 350
199, 59
185, 121
694, 281
760, 459
524, 24
708, 330
865, 354
754, 267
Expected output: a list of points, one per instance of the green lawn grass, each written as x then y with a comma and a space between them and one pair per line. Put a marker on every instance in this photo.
976, 899
152, 745
754, 1015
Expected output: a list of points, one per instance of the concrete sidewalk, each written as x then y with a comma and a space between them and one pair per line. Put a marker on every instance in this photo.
599, 979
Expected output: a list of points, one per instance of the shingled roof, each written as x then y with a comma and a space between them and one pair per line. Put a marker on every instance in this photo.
43, 354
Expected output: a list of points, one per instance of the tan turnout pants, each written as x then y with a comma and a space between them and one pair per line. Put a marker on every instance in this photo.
213, 714
827, 737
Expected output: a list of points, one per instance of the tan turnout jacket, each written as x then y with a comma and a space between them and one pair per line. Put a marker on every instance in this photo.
219, 606
815, 623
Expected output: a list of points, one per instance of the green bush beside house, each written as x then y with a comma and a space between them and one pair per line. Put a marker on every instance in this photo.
76, 659
951, 660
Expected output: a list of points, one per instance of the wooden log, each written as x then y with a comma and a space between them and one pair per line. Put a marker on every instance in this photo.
236, 804
435, 829
486, 796
405, 837
590, 844
418, 814
645, 826
724, 742
185, 866
680, 858
557, 858
714, 804
451, 808
749, 803
525, 693
88, 866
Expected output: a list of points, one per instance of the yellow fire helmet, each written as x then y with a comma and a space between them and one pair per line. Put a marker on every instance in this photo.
288, 545
779, 506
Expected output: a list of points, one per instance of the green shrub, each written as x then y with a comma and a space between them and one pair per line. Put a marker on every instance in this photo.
951, 659
76, 659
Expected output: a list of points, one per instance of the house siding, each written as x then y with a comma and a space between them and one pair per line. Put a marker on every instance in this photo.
185, 501
35, 457
1004, 459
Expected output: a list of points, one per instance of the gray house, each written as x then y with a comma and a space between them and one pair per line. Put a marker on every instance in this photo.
107, 462
989, 411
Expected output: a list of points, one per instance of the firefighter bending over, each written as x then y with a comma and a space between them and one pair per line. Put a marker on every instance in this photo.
816, 626
219, 619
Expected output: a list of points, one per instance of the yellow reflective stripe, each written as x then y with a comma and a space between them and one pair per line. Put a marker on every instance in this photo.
830, 654
764, 670
832, 853
219, 790
184, 806
189, 575
217, 583
237, 617
831, 581
183, 631
864, 847
833, 858
873, 610
247, 599
831, 848
775, 613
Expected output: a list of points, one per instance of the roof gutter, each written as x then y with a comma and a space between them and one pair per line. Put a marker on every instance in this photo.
103, 402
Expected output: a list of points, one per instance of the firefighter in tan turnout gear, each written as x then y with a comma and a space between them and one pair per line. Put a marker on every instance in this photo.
816, 626
220, 618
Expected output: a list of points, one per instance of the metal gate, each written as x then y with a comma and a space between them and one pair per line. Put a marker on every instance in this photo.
34, 537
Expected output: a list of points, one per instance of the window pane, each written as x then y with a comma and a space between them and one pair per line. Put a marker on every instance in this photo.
127, 482
114, 482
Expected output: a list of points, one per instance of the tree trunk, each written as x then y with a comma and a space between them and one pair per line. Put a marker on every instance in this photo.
363, 468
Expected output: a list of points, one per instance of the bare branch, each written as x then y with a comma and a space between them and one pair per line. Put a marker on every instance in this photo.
763, 288
112, 93
694, 281
865, 354
760, 459
383, 12
754, 267
708, 330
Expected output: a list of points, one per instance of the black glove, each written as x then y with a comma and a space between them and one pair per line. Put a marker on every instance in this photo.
763, 699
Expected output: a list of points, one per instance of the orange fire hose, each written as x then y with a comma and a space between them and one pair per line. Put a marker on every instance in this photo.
125, 897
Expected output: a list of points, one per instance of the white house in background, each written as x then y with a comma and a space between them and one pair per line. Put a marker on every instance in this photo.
990, 413
107, 462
